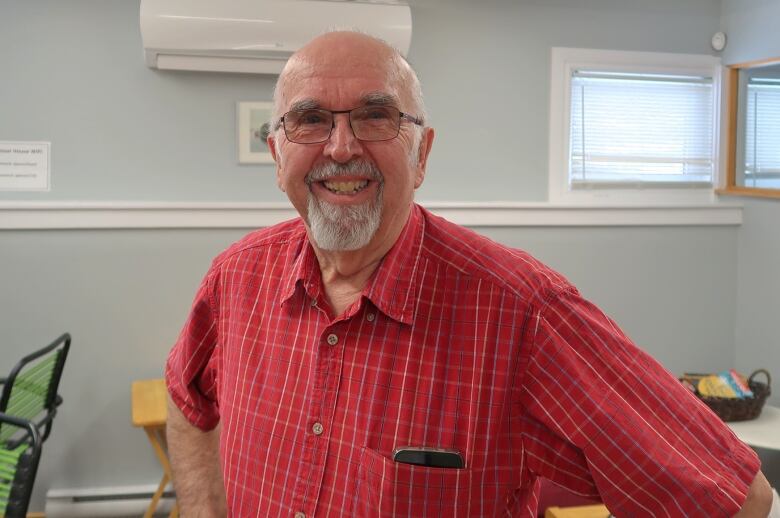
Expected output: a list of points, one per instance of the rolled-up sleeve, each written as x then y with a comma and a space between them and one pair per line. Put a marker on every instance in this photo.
602, 416
190, 371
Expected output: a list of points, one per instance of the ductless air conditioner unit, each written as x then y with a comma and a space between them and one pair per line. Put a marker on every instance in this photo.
257, 36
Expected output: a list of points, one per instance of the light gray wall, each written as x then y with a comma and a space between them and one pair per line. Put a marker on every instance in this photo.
758, 290
485, 68
123, 295
73, 74
757, 343
123, 132
751, 26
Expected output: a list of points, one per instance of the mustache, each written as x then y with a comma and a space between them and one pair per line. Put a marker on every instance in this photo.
334, 170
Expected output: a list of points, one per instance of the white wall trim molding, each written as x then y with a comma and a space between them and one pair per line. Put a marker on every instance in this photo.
29, 215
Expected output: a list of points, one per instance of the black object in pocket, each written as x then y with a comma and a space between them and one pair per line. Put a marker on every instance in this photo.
429, 457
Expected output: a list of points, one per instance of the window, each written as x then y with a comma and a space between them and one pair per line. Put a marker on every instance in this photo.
633, 127
762, 133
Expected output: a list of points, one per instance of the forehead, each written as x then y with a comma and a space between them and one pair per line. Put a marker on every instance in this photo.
342, 84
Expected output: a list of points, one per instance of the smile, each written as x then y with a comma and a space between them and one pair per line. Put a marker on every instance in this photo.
345, 187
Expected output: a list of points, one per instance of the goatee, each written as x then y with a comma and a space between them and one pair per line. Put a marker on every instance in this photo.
344, 227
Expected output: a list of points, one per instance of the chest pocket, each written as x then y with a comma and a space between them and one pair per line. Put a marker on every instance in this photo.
388, 489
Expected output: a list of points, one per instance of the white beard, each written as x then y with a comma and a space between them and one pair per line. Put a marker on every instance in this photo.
344, 227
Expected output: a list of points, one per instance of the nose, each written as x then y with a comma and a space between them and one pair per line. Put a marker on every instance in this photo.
342, 145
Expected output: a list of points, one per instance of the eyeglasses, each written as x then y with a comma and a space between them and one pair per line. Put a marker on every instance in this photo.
368, 123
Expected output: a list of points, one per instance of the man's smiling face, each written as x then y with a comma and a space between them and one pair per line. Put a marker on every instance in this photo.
359, 190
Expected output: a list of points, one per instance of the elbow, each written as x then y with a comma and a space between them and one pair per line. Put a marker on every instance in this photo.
759, 499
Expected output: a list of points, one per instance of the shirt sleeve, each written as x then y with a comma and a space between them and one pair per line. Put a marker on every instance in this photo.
603, 417
190, 371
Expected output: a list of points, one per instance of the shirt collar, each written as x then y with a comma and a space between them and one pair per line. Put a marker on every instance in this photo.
302, 266
392, 288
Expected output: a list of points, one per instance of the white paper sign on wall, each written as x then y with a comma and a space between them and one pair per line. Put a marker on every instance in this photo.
25, 166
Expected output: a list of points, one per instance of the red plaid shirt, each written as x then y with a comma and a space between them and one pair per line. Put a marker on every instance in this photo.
457, 342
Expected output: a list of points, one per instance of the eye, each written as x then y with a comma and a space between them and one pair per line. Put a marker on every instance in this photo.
311, 118
378, 113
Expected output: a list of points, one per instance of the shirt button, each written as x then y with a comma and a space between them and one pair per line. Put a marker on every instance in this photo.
300, 515
313, 301
317, 429
370, 317
333, 339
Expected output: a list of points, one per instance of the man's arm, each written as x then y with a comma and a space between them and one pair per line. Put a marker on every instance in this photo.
759, 499
197, 476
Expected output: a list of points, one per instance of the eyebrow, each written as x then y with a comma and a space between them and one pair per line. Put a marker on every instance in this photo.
304, 104
379, 99
369, 99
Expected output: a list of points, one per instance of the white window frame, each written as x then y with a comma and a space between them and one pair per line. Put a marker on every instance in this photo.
564, 62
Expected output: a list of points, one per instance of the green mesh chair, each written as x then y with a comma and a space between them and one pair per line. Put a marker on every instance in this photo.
28, 405
30, 391
18, 465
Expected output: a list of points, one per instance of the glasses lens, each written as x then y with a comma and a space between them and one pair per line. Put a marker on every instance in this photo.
375, 122
308, 126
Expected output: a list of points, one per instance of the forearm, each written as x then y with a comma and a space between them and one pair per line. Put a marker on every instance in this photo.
759, 499
197, 476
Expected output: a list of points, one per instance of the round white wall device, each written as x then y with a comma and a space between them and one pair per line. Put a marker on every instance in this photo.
719, 41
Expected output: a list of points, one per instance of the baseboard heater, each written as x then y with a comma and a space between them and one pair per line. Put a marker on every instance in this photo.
105, 502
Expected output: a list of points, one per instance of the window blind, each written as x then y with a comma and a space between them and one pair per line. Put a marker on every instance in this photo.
762, 134
631, 130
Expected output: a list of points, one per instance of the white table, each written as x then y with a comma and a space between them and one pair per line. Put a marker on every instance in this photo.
762, 432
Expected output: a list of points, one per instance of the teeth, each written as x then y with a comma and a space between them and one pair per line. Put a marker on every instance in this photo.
346, 187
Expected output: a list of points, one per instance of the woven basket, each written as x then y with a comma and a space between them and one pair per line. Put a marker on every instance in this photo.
731, 409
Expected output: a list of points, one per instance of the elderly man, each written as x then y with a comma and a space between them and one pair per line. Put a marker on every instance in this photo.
372, 359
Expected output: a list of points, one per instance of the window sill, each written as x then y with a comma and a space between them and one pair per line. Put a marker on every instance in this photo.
158, 215
749, 192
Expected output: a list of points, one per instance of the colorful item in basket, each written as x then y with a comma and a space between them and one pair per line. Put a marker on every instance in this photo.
727, 384
741, 383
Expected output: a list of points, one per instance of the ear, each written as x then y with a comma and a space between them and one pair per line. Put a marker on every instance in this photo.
426, 142
271, 141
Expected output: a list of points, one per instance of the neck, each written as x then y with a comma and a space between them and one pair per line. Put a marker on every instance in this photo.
345, 273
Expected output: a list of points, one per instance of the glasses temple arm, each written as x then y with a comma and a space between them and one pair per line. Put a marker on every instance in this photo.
411, 118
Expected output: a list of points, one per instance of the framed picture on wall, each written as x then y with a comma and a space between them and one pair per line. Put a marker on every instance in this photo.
253, 119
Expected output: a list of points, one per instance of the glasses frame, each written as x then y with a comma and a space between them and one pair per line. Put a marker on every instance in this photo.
401, 116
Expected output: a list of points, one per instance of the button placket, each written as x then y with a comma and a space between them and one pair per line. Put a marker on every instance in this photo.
309, 481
